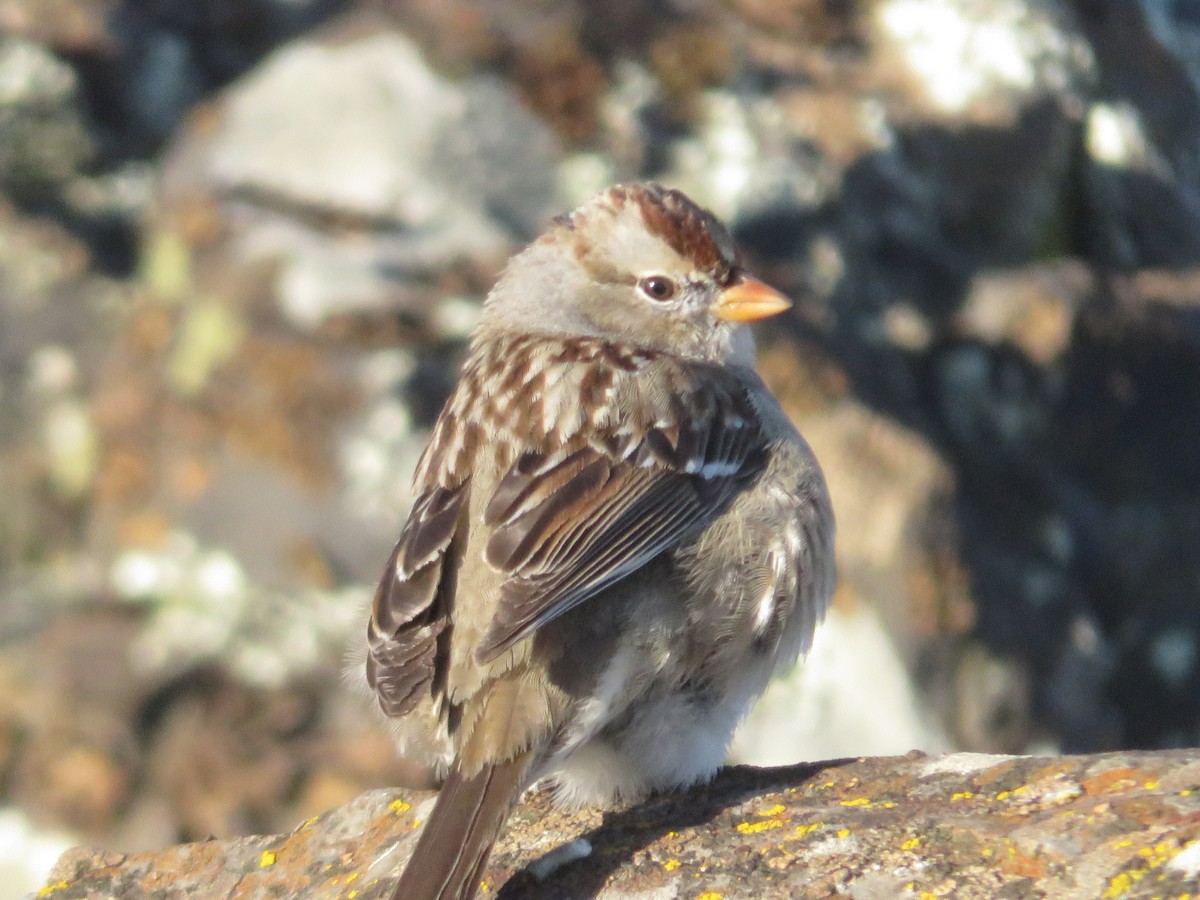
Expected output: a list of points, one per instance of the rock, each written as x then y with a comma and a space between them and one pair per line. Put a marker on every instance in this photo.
43, 132
1142, 178
360, 174
967, 825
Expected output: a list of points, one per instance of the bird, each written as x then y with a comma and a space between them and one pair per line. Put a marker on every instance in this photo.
618, 536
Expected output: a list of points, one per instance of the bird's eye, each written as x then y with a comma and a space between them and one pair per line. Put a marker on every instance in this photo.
657, 287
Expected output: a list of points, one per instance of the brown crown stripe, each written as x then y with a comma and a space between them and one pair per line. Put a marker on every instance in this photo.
689, 230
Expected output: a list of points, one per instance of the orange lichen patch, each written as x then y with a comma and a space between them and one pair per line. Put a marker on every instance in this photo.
144, 529
189, 477
1023, 865
993, 773
1113, 781
1056, 769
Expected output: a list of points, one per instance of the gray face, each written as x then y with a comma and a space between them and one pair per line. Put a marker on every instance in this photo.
639, 264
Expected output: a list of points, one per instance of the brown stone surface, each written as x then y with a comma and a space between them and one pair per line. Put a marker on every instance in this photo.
966, 825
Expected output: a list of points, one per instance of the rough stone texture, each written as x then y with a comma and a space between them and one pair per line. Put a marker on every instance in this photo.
360, 175
1143, 172
971, 826
43, 135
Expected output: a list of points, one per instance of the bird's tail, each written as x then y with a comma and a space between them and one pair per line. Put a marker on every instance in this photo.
454, 845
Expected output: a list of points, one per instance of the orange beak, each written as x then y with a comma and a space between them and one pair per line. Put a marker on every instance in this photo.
749, 300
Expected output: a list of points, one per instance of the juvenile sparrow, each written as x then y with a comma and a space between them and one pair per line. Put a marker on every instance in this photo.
618, 535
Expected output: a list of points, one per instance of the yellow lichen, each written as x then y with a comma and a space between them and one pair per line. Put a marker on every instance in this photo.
1154, 856
267, 859
844, 833
773, 811
1152, 785
1119, 885
710, 895
962, 795
803, 830
857, 801
209, 335
399, 806
756, 827
671, 865
51, 888
911, 844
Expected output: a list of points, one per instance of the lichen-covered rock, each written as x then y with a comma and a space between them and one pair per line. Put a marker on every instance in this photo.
44, 138
360, 175
972, 826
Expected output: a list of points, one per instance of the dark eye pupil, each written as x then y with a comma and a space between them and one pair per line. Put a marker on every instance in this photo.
658, 287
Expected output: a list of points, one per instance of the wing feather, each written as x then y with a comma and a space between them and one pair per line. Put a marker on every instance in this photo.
565, 527
408, 614
569, 517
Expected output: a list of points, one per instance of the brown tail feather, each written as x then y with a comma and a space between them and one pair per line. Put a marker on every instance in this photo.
454, 846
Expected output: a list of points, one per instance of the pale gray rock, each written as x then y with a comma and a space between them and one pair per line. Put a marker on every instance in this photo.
426, 172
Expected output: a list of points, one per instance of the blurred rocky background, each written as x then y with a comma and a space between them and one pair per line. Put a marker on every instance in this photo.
242, 243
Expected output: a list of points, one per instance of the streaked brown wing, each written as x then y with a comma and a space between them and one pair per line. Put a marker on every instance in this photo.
564, 528
411, 605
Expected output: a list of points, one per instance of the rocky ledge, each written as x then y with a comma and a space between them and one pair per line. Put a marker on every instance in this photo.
966, 825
